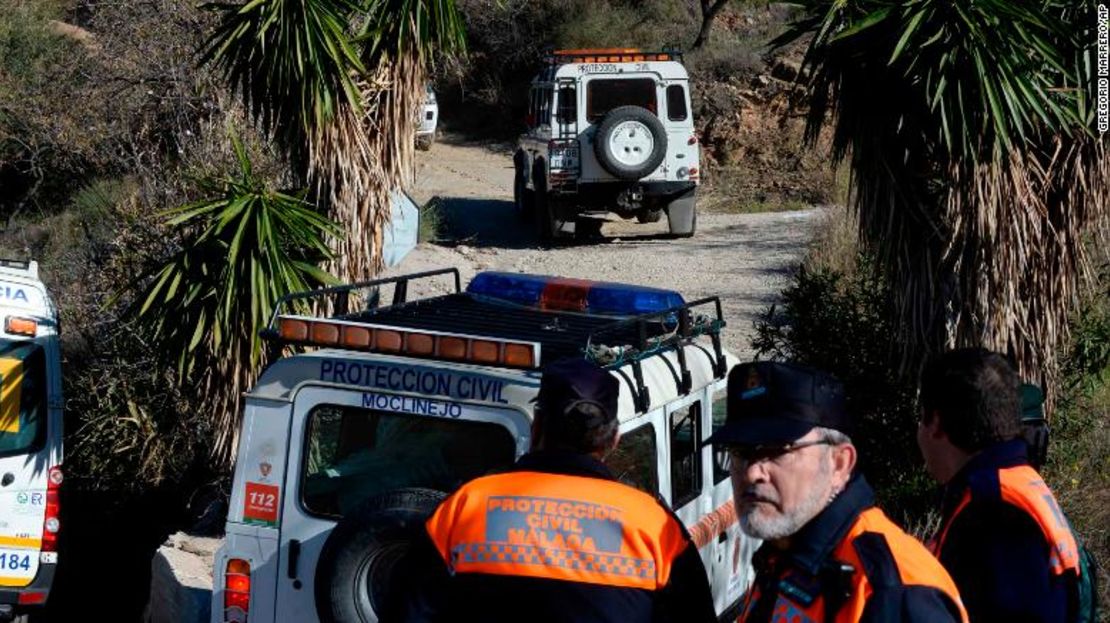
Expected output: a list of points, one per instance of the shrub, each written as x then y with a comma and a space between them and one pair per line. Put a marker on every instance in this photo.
834, 317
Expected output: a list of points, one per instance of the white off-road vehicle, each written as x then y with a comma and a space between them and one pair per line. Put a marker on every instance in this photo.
429, 118
30, 440
346, 447
608, 131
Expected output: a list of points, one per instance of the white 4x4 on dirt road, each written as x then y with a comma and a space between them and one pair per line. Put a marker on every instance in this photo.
347, 447
608, 131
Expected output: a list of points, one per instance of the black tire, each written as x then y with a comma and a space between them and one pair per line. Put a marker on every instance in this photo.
524, 198
610, 124
354, 581
543, 215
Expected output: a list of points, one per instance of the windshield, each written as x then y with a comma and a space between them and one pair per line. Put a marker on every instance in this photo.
605, 95
22, 396
354, 454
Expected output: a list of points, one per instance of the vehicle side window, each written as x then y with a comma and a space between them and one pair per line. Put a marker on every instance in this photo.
676, 103
634, 460
22, 397
685, 458
545, 106
568, 105
719, 413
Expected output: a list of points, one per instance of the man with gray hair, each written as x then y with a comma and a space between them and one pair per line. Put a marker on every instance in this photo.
829, 554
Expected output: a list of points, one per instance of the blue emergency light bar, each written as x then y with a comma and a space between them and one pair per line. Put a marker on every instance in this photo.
581, 295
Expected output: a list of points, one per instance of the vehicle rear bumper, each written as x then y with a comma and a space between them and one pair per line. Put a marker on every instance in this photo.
37, 592
605, 192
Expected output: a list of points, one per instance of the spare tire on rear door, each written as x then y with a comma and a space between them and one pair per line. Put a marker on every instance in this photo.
355, 578
630, 142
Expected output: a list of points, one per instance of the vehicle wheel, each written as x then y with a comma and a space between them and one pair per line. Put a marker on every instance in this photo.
524, 198
355, 580
682, 216
630, 142
543, 214
649, 216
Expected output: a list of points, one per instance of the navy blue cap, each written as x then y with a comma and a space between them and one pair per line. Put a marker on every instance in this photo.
568, 382
772, 402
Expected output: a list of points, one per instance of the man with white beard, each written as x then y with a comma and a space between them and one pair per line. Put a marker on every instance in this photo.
829, 554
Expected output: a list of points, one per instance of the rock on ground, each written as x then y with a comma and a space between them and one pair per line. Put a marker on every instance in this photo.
181, 580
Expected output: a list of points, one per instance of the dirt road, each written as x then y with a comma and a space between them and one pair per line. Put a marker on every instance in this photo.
746, 259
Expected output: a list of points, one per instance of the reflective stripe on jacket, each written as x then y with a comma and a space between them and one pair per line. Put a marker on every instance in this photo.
1022, 487
559, 527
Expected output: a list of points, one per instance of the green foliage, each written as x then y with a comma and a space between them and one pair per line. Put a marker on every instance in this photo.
292, 61
838, 321
976, 79
298, 63
1078, 467
245, 246
27, 46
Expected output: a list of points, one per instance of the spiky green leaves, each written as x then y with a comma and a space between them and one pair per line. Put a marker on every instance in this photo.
979, 78
245, 246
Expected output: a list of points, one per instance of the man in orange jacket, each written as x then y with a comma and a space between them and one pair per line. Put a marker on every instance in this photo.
829, 554
557, 538
1002, 535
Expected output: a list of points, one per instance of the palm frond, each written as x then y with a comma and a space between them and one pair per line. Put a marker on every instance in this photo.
975, 171
244, 248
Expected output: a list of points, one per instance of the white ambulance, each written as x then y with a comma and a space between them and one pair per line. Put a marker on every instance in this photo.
30, 439
347, 446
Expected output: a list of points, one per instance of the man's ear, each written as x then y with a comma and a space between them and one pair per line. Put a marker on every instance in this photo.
931, 425
844, 461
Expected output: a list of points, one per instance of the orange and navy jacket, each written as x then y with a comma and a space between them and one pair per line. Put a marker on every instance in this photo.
557, 538
848, 564
1005, 541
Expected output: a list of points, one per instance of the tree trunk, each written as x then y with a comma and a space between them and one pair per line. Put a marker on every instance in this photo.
709, 11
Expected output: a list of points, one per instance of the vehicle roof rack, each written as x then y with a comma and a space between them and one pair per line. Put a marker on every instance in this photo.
611, 55
472, 327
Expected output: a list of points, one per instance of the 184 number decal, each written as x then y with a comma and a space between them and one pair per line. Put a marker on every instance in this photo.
15, 562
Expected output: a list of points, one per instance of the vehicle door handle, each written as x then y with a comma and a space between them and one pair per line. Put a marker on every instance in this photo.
294, 555
8, 479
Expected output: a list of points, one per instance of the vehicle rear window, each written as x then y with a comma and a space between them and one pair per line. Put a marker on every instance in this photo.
353, 454
605, 95
22, 397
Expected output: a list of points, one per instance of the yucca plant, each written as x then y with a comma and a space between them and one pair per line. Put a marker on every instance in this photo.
338, 84
244, 246
975, 169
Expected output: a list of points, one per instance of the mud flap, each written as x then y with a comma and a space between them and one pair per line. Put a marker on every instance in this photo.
682, 216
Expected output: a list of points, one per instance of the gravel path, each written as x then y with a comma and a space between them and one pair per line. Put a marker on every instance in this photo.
746, 259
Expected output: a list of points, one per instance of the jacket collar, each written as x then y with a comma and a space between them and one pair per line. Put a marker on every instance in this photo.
811, 546
984, 466
563, 463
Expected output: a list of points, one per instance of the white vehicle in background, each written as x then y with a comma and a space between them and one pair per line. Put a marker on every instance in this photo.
345, 448
609, 130
429, 118
30, 440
